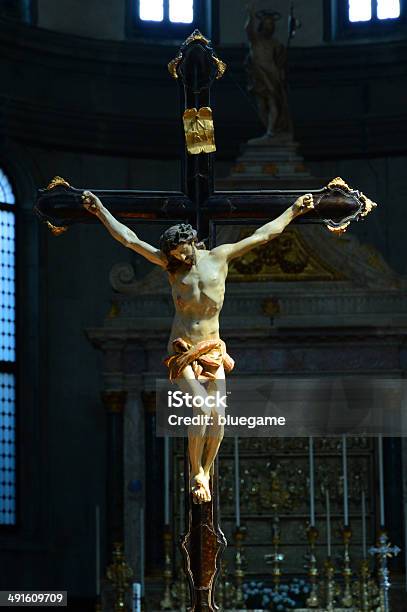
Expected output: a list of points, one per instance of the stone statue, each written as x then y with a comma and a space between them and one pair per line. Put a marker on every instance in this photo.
197, 359
266, 66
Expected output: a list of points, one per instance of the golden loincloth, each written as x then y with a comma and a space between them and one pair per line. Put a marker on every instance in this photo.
204, 357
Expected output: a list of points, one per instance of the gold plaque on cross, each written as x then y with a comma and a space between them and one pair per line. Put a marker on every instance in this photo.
199, 130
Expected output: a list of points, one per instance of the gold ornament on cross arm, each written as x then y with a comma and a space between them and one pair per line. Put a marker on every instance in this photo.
58, 180
367, 204
196, 36
56, 231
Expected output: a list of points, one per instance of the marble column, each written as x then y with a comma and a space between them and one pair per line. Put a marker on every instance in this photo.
154, 495
134, 477
114, 402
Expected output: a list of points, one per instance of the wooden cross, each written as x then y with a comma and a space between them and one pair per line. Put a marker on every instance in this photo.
196, 68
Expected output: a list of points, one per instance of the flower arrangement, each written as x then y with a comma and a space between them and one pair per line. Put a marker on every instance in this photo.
258, 595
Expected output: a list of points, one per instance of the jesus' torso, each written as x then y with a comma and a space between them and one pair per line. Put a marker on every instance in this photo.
198, 292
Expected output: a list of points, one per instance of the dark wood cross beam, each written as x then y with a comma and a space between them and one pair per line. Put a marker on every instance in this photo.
196, 67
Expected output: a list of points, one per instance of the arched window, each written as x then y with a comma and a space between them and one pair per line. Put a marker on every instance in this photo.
20, 10
7, 353
172, 19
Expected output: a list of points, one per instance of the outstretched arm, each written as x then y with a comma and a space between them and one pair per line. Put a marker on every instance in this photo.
121, 232
250, 25
266, 232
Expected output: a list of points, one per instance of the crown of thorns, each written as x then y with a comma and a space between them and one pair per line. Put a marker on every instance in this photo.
177, 234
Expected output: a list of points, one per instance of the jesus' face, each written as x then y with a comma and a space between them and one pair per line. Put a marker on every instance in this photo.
184, 252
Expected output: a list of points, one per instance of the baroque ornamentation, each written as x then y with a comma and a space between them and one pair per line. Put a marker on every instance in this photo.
196, 36
286, 258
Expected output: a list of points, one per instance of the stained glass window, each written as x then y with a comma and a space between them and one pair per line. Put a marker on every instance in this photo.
7, 354
7, 450
6, 192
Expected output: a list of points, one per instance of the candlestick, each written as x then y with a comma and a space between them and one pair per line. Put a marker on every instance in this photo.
328, 523
347, 596
239, 573
276, 558
142, 551
364, 546
311, 482
181, 503
167, 602
97, 549
237, 483
136, 597
365, 590
313, 598
119, 573
167, 480
345, 482
330, 587
381, 480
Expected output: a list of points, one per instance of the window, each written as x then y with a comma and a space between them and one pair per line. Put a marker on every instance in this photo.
171, 19
7, 354
349, 18
368, 10
21, 10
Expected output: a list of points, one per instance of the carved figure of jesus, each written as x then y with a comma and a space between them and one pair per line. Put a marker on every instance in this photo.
197, 358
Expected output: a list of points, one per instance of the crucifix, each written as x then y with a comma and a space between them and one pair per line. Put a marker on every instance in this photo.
384, 551
197, 269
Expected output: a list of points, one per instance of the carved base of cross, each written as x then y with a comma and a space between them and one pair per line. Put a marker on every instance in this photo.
202, 545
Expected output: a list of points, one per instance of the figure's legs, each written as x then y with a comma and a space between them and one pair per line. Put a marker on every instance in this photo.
199, 483
272, 116
263, 108
215, 431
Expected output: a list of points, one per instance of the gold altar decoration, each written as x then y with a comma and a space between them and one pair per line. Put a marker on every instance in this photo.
286, 258
119, 574
199, 130
365, 590
313, 599
330, 589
